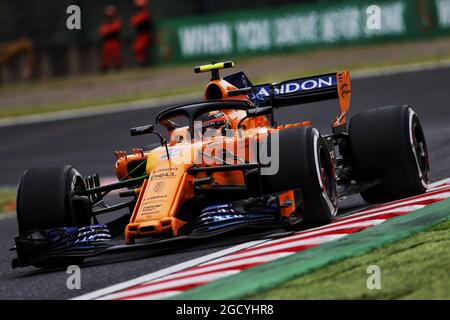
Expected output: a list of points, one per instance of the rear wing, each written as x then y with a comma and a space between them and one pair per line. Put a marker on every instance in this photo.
304, 90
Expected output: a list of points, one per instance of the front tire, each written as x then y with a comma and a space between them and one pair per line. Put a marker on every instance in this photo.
45, 199
388, 143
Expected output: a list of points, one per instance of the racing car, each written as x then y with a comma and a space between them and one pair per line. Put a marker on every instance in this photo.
224, 164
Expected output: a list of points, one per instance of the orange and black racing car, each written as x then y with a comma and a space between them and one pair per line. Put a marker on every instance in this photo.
223, 166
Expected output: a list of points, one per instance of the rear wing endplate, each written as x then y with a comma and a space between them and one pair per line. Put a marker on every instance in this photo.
306, 90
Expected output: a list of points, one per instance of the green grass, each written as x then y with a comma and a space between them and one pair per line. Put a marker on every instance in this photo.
7, 200
414, 268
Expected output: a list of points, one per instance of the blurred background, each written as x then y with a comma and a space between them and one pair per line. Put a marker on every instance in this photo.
36, 44
38, 28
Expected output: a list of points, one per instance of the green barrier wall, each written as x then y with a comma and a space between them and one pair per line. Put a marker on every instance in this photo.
301, 27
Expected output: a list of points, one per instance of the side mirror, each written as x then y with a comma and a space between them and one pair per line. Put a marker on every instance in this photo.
255, 112
137, 131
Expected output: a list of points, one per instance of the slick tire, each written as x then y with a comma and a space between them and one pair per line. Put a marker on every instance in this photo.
45, 199
388, 143
305, 163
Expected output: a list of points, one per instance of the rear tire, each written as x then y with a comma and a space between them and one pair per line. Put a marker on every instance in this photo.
388, 143
45, 199
305, 163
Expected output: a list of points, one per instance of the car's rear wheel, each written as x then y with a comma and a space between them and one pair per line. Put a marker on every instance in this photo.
304, 162
46, 199
388, 143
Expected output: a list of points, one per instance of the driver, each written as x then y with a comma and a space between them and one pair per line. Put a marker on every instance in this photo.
214, 120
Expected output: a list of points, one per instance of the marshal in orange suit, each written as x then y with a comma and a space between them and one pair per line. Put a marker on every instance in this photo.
141, 21
110, 34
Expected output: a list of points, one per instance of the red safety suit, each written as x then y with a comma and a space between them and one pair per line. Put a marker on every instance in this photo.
110, 33
141, 22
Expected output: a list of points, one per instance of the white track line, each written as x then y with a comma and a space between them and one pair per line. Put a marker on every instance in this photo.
399, 69
164, 272
158, 296
206, 269
437, 197
367, 214
7, 215
437, 184
172, 284
330, 228
273, 246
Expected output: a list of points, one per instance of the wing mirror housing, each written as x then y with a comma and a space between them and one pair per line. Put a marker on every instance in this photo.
150, 128
137, 131
256, 112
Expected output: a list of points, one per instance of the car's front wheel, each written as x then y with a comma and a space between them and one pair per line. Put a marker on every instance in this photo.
46, 199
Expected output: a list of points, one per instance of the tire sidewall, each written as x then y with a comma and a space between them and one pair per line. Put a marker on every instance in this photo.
381, 148
44, 198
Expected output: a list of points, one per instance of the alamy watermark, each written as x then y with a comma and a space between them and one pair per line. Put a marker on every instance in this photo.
373, 21
74, 280
226, 146
374, 280
73, 21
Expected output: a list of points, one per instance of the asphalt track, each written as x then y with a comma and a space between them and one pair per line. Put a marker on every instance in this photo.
88, 144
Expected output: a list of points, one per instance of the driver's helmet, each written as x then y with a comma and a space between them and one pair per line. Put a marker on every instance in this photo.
214, 120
